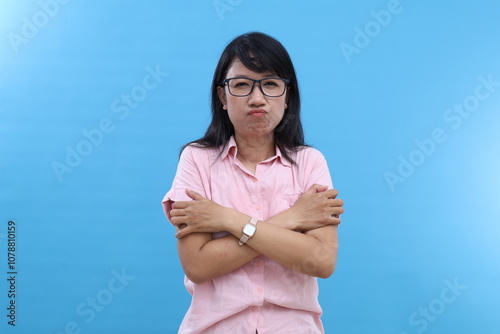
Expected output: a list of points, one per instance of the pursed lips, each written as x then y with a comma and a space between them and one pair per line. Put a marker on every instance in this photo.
257, 112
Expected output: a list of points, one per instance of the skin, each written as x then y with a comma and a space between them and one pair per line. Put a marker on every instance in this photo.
254, 134
309, 227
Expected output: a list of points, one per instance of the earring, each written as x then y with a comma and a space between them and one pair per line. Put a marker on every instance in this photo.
286, 105
224, 107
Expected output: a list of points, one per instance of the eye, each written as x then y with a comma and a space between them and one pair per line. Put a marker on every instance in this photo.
272, 83
240, 83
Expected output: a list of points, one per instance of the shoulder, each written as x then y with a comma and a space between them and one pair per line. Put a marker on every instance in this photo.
312, 168
196, 150
199, 155
308, 155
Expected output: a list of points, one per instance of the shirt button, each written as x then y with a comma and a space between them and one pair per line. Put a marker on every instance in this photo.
259, 290
257, 207
258, 263
255, 309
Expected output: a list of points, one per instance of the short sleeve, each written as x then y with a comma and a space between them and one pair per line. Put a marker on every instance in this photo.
192, 173
314, 167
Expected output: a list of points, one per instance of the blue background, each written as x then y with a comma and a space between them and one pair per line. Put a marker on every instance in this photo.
419, 239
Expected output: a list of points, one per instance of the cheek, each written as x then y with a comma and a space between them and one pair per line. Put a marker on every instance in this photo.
278, 121
279, 111
233, 103
278, 115
235, 115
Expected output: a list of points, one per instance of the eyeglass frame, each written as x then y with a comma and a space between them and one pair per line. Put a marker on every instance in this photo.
286, 81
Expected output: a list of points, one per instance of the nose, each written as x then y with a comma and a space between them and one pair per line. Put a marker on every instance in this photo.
257, 97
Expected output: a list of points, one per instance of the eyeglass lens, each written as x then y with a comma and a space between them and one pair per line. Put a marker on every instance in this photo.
270, 87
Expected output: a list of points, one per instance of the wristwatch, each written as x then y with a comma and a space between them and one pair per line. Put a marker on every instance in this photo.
248, 231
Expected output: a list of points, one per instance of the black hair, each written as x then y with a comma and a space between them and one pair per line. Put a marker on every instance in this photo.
260, 53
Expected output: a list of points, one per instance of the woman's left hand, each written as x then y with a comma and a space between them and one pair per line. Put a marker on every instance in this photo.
198, 215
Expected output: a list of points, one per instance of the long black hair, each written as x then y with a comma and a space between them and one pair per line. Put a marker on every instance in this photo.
259, 53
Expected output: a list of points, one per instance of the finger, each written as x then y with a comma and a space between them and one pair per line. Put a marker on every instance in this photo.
179, 220
335, 220
183, 231
194, 195
331, 193
180, 204
181, 234
311, 190
337, 210
177, 213
315, 188
320, 188
334, 202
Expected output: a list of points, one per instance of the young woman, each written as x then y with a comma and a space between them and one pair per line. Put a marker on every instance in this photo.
254, 208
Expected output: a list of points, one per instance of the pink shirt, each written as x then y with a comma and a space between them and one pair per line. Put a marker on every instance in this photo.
262, 294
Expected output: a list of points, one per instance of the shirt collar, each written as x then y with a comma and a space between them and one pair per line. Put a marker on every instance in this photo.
230, 150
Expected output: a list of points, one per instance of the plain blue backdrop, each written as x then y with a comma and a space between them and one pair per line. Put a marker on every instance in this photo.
402, 97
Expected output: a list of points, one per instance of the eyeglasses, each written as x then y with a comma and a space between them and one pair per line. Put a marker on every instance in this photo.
271, 87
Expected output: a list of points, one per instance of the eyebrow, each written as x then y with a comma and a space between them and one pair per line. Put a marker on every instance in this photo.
246, 76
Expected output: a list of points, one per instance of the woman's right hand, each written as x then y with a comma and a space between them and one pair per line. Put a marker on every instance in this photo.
316, 208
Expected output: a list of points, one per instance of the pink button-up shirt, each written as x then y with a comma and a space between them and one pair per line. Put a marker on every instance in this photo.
261, 295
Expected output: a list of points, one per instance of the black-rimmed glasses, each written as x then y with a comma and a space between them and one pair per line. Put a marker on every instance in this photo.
271, 87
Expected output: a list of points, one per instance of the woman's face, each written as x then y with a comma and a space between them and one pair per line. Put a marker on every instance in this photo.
255, 115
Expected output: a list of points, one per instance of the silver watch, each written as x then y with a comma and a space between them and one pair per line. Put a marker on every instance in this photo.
248, 231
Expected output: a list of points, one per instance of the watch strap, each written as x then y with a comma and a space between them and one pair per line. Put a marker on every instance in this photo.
244, 237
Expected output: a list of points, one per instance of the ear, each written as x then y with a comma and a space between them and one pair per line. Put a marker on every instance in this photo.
221, 92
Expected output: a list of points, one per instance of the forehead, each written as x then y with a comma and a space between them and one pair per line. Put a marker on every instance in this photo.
237, 68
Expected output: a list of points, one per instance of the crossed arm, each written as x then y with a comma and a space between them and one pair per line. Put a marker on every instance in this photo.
302, 238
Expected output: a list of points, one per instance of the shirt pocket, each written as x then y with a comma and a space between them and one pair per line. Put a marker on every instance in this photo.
290, 199
286, 201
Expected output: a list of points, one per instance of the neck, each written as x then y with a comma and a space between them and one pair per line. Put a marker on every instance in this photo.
255, 150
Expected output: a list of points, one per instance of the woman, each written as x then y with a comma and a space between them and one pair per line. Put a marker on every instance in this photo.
254, 208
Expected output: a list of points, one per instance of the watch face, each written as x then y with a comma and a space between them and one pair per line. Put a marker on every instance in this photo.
249, 229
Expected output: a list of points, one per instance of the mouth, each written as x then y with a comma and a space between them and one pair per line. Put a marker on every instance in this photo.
257, 112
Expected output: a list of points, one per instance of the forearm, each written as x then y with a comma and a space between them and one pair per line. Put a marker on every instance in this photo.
204, 258
313, 253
